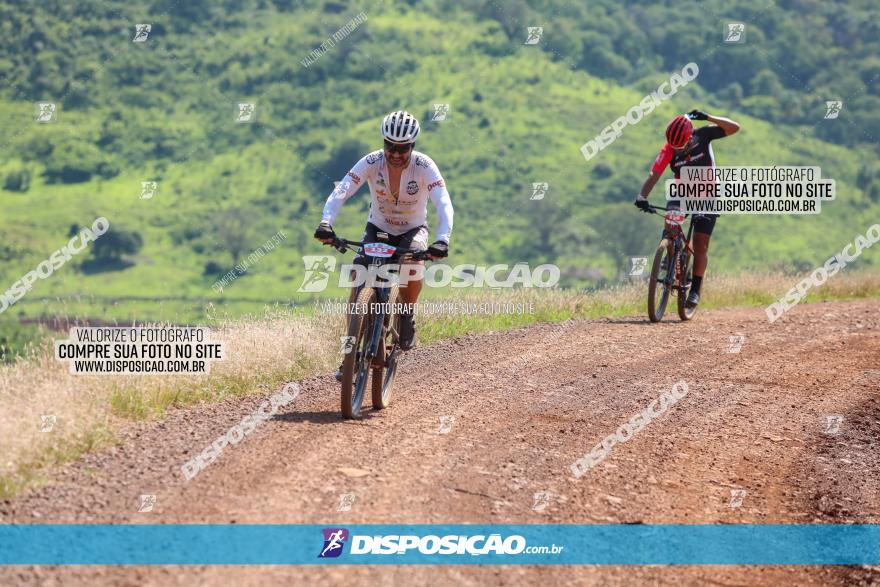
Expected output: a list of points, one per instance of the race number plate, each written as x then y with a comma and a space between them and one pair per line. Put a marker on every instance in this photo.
674, 217
379, 249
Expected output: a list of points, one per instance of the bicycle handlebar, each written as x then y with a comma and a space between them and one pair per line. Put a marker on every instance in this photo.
342, 245
652, 209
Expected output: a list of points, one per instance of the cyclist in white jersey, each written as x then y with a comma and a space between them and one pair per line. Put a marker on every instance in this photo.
401, 180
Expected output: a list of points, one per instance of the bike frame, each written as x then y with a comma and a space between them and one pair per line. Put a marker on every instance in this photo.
680, 242
343, 245
379, 324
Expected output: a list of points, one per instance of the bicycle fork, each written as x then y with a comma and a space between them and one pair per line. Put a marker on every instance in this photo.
683, 250
377, 344
675, 273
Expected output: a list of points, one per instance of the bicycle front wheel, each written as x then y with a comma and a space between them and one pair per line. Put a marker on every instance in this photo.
686, 260
659, 285
356, 366
389, 352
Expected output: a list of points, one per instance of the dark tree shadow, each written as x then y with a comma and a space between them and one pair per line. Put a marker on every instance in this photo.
92, 266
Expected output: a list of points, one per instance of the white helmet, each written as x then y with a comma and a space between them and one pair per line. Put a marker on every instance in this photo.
400, 127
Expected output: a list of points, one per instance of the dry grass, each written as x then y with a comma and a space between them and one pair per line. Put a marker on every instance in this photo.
764, 288
263, 352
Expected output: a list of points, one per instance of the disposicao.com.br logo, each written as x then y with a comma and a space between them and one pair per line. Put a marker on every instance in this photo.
394, 544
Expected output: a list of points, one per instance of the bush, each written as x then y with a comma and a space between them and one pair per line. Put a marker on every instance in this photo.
16, 337
76, 162
341, 159
213, 269
602, 170
17, 180
115, 243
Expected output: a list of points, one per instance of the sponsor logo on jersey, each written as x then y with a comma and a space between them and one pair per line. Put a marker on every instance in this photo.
356, 179
412, 188
677, 165
422, 162
373, 157
437, 184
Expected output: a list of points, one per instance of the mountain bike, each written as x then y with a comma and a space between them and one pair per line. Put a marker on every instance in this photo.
372, 340
673, 266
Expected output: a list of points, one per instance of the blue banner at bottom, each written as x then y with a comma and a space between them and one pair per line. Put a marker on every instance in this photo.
594, 544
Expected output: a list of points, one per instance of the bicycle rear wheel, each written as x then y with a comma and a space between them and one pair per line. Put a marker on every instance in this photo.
356, 366
659, 286
687, 265
389, 352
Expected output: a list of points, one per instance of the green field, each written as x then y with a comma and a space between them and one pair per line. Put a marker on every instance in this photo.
163, 111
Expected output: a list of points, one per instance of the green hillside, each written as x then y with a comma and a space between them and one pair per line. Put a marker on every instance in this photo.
164, 111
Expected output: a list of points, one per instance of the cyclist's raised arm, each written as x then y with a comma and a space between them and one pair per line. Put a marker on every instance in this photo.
345, 189
727, 125
443, 203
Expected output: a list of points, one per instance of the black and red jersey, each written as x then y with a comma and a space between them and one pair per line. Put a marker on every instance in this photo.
698, 155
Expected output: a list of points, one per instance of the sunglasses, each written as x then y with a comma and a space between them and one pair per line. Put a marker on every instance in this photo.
393, 148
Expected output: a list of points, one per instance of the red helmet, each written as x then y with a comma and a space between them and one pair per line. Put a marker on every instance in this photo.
679, 131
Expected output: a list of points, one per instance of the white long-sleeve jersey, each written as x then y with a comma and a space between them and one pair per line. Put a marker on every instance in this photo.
420, 179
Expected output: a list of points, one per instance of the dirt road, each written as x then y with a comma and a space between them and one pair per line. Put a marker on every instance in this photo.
759, 425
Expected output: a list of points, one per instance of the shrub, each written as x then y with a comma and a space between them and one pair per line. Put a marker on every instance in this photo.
17, 180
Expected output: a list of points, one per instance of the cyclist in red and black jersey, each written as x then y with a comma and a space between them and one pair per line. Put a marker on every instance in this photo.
686, 146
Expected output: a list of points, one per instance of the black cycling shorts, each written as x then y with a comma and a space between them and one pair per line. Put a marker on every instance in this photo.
705, 224
415, 238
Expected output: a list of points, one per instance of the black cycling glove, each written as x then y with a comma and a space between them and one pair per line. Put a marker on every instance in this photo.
697, 115
324, 231
642, 204
439, 249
